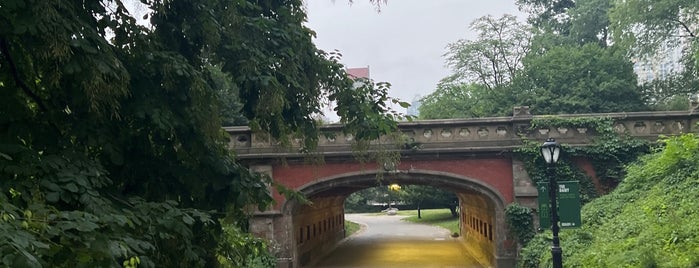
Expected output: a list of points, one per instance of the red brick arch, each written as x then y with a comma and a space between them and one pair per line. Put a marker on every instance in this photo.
479, 200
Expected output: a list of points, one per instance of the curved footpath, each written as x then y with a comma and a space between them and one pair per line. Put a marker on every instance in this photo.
387, 241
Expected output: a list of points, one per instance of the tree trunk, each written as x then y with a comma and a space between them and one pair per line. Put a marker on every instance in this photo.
419, 216
453, 211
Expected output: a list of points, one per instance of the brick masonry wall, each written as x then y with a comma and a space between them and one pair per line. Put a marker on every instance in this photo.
318, 227
478, 226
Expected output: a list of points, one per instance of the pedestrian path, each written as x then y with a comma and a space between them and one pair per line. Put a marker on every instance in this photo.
387, 241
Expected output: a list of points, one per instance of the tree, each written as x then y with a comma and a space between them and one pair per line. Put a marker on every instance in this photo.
589, 22
574, 22
450, 101
111, 148
653, 30
648, 25
420, 195
571, 79
461, 100
493, 59
482, 69
672, 93
548, 15
358, 201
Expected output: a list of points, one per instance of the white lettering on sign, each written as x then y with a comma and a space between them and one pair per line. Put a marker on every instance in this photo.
567, 224
563, 189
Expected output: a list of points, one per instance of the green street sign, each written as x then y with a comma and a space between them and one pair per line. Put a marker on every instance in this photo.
568, 198
569, 204
544, 205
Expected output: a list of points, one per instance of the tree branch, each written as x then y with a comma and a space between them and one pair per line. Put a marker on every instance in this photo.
686, 28
4, 49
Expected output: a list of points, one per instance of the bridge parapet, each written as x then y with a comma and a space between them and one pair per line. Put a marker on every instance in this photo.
477, 135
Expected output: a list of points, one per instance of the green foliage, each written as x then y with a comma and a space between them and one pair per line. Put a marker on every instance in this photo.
648, 221
241, 249
589, 22
650, 30
673, 92
647, 26
554, 74
548, 14
519, 222
427, 196
111, 148
458, 100
641, 31
536, 253
351, 228
609, 153
494, 57
357, 201
481, 71
572, 79
570, 22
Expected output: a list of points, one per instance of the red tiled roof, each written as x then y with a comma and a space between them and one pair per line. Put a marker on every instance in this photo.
358, 72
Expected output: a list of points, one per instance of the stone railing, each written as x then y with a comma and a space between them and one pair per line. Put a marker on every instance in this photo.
480, 135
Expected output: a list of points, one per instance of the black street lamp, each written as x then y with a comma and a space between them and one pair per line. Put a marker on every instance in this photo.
551, 151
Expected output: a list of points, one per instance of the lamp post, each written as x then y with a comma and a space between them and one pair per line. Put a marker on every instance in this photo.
550, 150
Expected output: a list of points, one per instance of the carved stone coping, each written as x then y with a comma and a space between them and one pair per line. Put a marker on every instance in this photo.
492, 134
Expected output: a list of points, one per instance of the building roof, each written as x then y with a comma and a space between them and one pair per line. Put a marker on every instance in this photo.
358, 72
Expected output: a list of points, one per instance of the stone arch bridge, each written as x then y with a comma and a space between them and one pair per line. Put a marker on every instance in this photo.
471, 157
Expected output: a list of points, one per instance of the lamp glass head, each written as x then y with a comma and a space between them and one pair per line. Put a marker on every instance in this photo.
550, 150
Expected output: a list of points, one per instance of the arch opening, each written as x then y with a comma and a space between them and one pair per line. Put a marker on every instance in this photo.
319, 226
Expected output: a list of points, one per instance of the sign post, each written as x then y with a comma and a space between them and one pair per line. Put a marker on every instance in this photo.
568, 204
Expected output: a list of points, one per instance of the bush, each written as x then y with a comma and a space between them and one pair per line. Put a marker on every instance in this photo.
520, 223
241, 249
648, 221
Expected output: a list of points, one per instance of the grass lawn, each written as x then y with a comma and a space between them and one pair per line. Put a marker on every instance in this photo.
438, 217
351, 228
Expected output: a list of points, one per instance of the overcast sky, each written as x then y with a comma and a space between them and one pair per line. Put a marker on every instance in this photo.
404, 43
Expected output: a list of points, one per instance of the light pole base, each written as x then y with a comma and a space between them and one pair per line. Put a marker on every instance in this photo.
557, 256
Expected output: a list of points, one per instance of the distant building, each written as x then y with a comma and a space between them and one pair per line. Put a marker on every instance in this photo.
414, 108
355, 73
362, 72
666, 62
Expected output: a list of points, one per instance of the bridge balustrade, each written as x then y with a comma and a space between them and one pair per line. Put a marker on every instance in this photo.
476, 135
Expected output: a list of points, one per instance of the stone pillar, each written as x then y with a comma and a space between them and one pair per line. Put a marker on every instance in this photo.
525, 189
506, 262
274, 226
266, 170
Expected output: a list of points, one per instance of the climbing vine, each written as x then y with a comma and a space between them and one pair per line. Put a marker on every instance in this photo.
520, 223
609, 152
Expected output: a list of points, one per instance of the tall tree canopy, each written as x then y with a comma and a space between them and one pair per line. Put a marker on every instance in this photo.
110, 140
482, 70
572, 79
464, 100
548, 14
648, 25
494, 57
653, 30
556, 73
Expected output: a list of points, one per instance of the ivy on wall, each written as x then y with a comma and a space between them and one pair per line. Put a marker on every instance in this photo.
520, 221
609, 153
